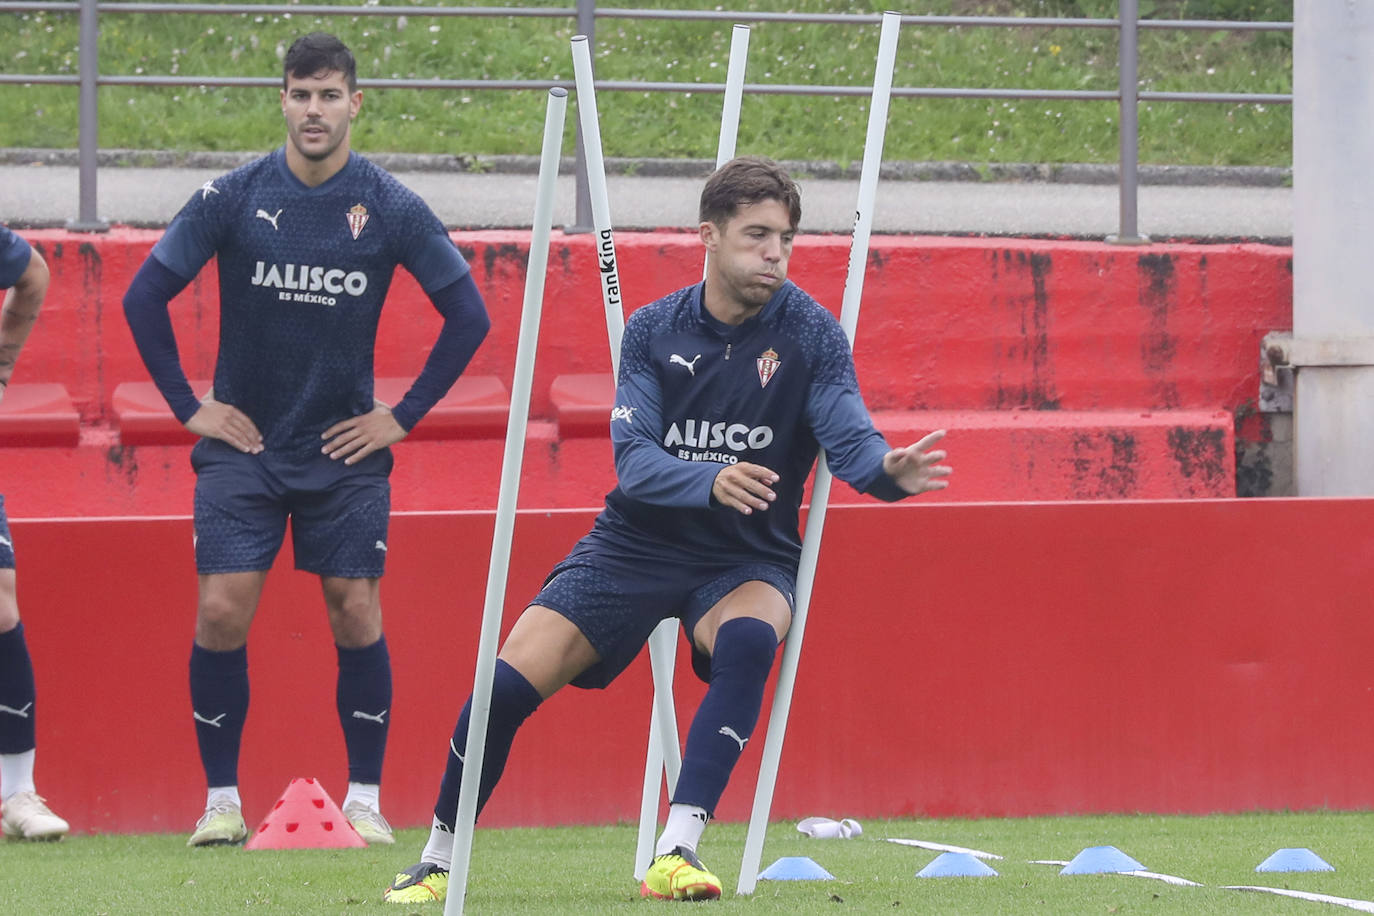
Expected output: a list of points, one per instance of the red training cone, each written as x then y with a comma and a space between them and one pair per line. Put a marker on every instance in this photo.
305, 817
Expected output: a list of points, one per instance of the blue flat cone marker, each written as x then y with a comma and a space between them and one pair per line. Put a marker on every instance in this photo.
795, 868
1101, 860
1295, 860
956, 865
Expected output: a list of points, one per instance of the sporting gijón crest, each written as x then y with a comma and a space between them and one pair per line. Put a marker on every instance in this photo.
767, 364
357, 219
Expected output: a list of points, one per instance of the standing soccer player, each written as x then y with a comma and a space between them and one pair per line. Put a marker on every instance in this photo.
25, 814
307, 239
727, 389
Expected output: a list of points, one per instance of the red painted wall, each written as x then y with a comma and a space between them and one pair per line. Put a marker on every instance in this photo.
1065, 370
947, 323
973, 660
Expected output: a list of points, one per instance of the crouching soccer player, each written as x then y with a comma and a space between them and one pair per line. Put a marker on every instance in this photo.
726, 390
307, 240
25, 814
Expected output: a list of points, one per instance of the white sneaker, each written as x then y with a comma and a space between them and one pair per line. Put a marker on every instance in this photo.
221, 825
27, 817
369, 823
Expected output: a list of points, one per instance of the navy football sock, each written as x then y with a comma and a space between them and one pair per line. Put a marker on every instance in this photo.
727, 715
363, 697
219, 704
513, 699
17, 693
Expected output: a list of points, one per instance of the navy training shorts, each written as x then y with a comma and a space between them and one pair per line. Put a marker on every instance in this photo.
338, 517
616, 601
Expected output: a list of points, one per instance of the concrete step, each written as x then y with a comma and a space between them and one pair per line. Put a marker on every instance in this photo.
474, 408
996, 456
38, 414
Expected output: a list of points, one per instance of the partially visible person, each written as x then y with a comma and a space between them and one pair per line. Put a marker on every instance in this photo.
307, 240
23, 812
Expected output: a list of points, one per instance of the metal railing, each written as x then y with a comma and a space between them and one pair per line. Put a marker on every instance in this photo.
1127, 95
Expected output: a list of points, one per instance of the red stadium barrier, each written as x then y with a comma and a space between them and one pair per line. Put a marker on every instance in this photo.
970, 660
948, 323
1076, 370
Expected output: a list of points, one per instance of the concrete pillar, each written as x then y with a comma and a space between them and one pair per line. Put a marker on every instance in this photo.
1333, 246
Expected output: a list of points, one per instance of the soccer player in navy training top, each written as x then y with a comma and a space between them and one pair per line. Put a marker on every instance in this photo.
726, 391
307, 239
25, 814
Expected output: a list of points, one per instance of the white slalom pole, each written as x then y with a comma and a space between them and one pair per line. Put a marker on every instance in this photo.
600, 198
734, 94
734, 100
664, 749
663, 640
497, 571
662, 658
820, 493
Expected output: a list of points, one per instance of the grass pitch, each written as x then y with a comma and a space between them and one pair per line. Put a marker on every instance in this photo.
586, 870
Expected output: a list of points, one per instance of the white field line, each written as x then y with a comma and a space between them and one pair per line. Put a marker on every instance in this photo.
1167, 879
944, 847
1364, 906
1140, 873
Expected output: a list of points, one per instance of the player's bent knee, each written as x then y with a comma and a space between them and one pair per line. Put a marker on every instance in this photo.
754, 600
744, 644
547, 649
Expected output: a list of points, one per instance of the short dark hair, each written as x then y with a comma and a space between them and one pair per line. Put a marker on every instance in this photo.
319, 52
748, 180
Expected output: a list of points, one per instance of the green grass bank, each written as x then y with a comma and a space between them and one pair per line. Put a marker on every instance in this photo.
411, 45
